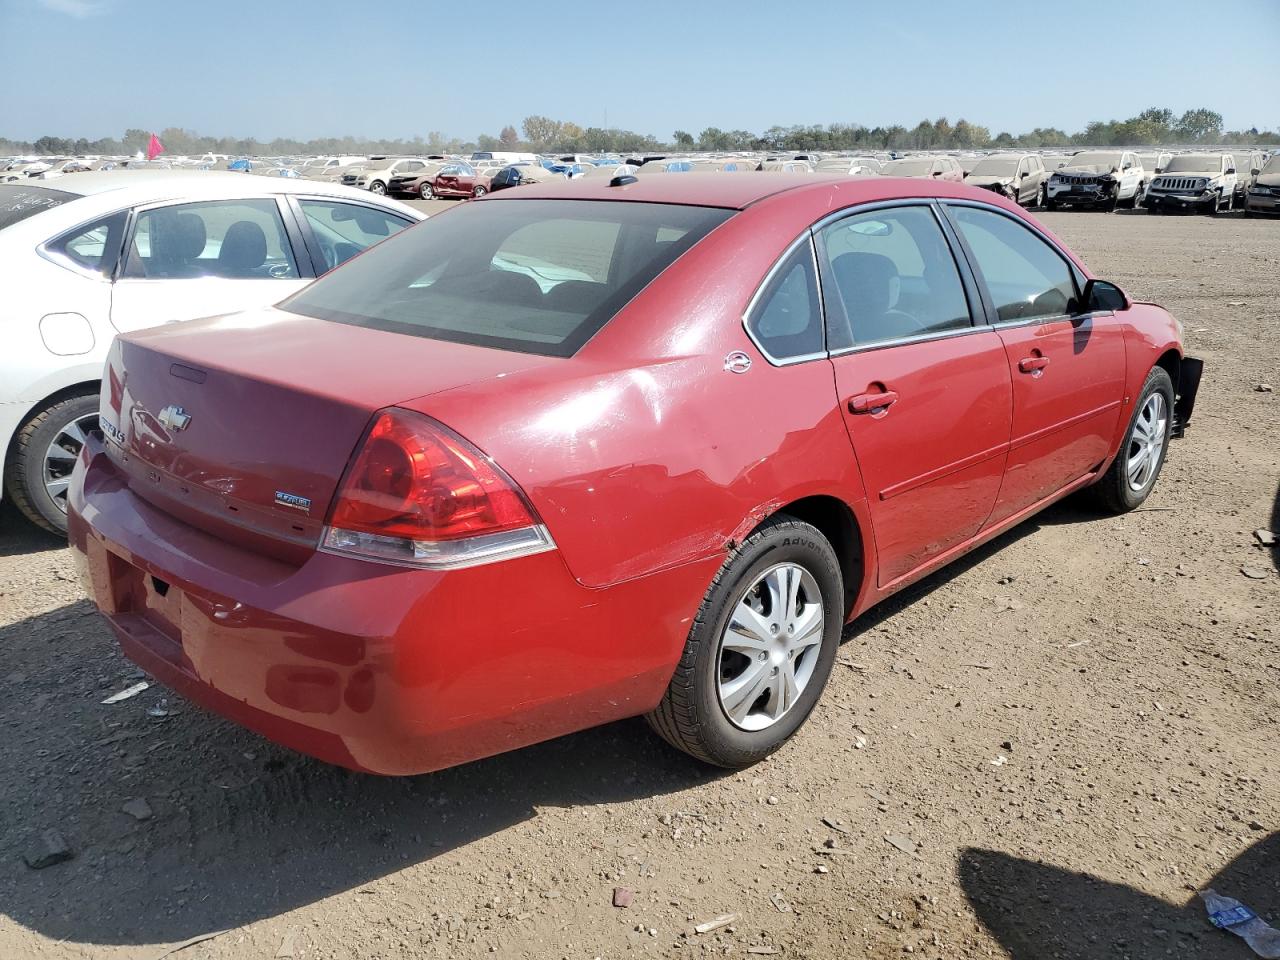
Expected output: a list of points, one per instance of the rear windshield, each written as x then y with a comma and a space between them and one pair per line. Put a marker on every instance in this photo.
18, 201
906, 168
534, 276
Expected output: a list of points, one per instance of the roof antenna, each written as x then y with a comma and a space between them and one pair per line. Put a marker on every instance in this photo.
623, 180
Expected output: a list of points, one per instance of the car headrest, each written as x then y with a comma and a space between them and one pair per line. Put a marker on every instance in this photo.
868, 282
177, 237
244, 247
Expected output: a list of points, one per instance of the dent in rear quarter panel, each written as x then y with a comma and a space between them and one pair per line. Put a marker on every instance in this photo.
643, 452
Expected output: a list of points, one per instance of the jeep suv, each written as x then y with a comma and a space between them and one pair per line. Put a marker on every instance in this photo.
1098, 178
1195, 181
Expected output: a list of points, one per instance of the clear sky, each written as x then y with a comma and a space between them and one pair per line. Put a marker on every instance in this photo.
306, 68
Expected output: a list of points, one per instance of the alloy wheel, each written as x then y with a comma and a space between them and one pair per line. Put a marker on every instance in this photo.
1146, 442
425, 191
61, 455
770, 647
377, 187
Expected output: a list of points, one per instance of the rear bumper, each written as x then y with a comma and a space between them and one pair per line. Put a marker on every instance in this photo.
377, 668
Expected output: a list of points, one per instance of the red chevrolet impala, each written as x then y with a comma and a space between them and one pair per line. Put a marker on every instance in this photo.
580, 452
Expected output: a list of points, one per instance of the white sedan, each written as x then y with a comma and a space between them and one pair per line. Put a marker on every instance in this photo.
92, 255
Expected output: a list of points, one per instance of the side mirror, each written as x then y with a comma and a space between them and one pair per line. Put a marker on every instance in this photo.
1102, 296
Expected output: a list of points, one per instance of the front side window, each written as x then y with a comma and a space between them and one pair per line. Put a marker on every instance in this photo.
892, 276
1025, 277
231, 239
94, 248
786, 320
345, 229
534, 276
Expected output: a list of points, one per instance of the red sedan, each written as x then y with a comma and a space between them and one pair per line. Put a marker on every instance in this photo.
460, 180
581, 452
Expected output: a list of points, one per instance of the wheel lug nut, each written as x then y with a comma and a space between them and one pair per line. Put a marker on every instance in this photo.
773, 628
764, 656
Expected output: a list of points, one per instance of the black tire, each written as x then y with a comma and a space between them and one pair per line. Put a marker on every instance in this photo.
426, 191
1042, 196
478, 191
1213, 208
1139, 194
690, 716
24, 466
378, 187
1050, 204
1113, 492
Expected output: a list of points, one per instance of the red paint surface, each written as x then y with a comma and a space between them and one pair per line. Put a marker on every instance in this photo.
641, 454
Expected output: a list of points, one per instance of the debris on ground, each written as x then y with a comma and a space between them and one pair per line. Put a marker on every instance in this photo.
1227, 913
128, 692
1265, 537
50, 849
138, 808
622, 896
905, 844
716, 923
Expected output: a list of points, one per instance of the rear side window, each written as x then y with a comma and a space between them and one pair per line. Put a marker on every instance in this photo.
94, 248
232, 239
786, 320
892, 275
534, 276
17, 202
1025, 276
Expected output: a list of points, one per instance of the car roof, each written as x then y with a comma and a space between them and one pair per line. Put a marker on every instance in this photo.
736, 191
193, 184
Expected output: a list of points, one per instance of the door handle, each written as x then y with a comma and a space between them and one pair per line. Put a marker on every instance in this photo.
1032, 364
872, 402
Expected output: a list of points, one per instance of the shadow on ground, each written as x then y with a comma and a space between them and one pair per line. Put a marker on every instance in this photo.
242, 830
1036, 910
19, 536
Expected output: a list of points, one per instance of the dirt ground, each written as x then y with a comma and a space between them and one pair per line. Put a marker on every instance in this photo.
1074, 728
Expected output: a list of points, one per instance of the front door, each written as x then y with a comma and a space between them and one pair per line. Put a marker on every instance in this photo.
1067, 367
190, 260
925, 393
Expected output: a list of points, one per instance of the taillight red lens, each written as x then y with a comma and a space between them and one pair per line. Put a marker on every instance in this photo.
414, 479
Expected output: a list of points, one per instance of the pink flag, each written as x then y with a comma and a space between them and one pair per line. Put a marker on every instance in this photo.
154, 147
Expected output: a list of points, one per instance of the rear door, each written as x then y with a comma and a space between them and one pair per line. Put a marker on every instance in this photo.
336, 230
1067, 367
188, 260
925, 391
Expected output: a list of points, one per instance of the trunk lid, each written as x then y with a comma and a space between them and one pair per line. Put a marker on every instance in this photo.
243, 425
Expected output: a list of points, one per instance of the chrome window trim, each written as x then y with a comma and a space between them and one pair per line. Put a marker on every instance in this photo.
918, 338
792, 247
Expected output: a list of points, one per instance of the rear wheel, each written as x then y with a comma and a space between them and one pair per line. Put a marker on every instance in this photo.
760, 649
478, 191
44, 452
1132, 475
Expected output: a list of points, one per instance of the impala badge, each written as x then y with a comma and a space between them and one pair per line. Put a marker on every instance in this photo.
293, 501
174, 418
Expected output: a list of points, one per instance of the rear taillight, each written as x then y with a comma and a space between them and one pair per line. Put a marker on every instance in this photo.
419, 494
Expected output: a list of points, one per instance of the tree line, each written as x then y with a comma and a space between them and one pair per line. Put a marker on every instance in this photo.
1153, 127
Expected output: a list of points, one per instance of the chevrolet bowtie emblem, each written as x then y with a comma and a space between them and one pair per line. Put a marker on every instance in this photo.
175, 418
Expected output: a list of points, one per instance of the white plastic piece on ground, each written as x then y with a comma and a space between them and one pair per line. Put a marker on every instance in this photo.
128, 692
1228, 914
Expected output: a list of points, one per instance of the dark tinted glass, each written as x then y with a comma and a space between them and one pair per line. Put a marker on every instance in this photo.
536, 276
1025, 276
18, 201
787, 319
893, 275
